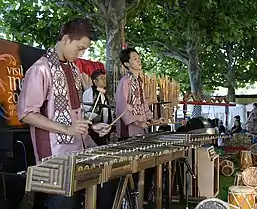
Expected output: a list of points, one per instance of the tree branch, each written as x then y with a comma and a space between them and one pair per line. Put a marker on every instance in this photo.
175, 56
132, 5
78, 7
101, 5
173, 52
169, 8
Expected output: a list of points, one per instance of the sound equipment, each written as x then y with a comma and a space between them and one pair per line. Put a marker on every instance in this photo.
208, 172
16, 154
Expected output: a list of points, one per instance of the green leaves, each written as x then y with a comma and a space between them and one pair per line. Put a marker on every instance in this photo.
161, 29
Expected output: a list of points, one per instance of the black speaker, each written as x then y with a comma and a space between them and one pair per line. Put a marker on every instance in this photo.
16, 150
16, 154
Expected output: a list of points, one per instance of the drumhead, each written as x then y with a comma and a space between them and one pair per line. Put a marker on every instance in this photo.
253, 149
212, 203
249, 176
241, 189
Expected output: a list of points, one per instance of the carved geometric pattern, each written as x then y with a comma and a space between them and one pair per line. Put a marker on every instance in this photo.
53, 176
66, 174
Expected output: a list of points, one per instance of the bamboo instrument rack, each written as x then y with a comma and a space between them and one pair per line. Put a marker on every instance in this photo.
167, 98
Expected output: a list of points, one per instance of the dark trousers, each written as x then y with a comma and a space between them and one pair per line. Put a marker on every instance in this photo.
149, 177
106, 194
105, 198
47, 201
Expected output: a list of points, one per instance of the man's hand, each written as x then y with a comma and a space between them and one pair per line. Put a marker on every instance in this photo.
142, 124
79, 127
101, 128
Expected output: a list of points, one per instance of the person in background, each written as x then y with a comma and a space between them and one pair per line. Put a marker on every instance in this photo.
221, 131
237, 128
103, 112
221, 127
50, 102
252, 120
251, 123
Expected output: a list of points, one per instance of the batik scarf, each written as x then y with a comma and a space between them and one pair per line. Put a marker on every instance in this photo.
62, 109
136, 94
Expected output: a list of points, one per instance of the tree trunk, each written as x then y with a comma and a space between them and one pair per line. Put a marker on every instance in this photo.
193, 68
194, 75
231, 93
231, 79
113, 66
114, 13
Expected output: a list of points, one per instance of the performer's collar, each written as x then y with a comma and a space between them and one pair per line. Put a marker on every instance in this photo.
64, 62
58, 51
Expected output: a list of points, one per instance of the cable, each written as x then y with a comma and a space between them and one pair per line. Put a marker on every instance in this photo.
25, 154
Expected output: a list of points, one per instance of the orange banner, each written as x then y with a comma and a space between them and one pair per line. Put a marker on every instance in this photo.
11, 77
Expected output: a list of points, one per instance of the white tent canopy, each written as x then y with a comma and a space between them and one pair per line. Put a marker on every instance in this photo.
210, 111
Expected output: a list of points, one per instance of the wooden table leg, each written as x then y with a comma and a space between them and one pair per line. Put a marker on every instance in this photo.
120, 192
170, 184
141, 186
90, 198
158, 198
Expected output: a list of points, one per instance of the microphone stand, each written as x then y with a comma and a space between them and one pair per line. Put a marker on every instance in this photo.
189, 171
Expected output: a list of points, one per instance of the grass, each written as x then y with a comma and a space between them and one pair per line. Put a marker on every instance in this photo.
225, 183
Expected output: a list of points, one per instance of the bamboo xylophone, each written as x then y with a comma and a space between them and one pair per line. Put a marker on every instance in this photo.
65, 175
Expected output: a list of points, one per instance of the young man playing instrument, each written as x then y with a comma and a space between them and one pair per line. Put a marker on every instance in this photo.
95, 99
50, 102
130, 98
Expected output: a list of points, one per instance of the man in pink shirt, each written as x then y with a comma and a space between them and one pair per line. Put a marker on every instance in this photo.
50, 102
130, 97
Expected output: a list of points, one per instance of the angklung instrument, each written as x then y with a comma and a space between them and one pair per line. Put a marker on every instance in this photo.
67, 174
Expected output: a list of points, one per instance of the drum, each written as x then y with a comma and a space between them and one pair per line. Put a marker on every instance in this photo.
253, 149
241, 196
227, 167
212, 203
238, 181
245, 159
249, 177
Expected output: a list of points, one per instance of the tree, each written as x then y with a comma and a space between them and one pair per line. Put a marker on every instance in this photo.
30, 22
114, 14
171, 29
154, 63
194, 32
232, 53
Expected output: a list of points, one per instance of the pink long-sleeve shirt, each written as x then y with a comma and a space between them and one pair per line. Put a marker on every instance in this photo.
37, 96
126, 127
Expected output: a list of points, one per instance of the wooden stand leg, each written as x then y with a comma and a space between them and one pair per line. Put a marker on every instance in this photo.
120, 192
170, 184
158, 199
141, 185
90, 198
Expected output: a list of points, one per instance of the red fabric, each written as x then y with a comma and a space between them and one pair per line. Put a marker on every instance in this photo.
227, 149
88, 66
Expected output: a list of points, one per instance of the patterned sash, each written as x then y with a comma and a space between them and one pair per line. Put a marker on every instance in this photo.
62, 109
136, 95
